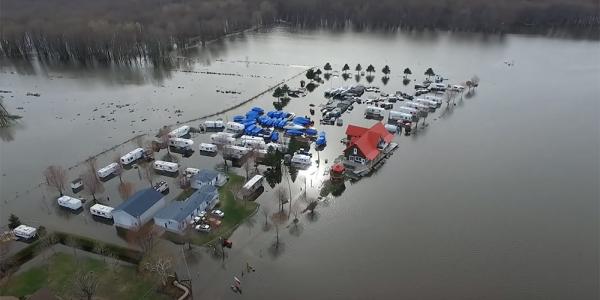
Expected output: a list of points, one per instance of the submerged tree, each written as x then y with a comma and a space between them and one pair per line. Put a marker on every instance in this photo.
370, 69
429, 72
327, 67
346, 68
56, 177
13, 221
358, 68
407, 72
386, 70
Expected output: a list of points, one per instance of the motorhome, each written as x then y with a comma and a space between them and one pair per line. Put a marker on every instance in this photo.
432, 104
108, 170
252, 142
165, 166
234, 127
179, 132
25, 232
180, 143
373, 111
69, 202
132, 156
301, 160
214, 125
401, 116
189, 172
206, 147
222, 138
235, 152
100, 210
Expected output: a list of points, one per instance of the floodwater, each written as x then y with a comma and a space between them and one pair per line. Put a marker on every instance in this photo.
495, 197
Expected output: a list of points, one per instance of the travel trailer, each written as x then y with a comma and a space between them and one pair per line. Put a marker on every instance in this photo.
234, 127
373, 111
432, 104
132, 156
408, 110
438, 87
100, 210
301, 160
165, 166
434, 98
69, 202
423, 109
179, 132
214, 125
180, 143
108, 170
401, 116
189, 172
25, 232
235, 152
206, 147
222, 138
253, 184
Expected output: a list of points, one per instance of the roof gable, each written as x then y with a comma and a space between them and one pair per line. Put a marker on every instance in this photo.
179, 210
205, 175
368, 141
140, 202
353, 130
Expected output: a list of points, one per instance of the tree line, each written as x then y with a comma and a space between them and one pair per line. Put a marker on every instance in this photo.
130, 31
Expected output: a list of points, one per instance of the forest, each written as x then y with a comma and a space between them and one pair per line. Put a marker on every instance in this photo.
130, 31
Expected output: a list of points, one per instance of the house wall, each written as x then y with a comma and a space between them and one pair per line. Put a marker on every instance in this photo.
148, 214
171, 225
358, 157
197, 184
125, 220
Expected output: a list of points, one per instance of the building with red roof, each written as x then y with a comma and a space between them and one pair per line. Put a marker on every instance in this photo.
364, 145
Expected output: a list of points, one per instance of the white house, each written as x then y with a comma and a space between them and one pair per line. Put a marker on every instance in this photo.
208, 177
138, 209
176, 216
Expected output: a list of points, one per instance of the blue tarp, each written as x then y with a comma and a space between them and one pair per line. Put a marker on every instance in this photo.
258, 110
321, 141
311, 131
274, 136
294, 132
238, 119
301, 121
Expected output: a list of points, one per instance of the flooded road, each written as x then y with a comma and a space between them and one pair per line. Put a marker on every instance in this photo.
496, 198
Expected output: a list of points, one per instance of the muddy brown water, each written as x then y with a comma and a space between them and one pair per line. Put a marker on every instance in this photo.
495, 198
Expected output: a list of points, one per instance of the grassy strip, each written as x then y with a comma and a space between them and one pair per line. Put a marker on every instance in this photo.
59, 276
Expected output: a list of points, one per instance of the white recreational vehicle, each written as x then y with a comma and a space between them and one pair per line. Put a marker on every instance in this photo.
252, 142
401, 116
423, 109
222, 138
180, 143
189, 172
431, 104
408, 110
236, 152
132, 156
101, 211
373, 111
391, 128
301, 160
108, 170
69, 202
179, 132
253, 184
166, 166
235, 127
214, 125
25, 232
437, 87
206, 147
434, 98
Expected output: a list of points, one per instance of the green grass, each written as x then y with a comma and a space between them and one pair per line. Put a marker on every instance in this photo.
58, 275
236, 211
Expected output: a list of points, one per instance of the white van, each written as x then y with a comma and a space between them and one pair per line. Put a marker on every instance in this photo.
179, 132
108, 170
101, 211
181, 143
401, 116
206, 147
189, 172
166, 166
25, 232
69, 202
235, 127
373, 111
132, 156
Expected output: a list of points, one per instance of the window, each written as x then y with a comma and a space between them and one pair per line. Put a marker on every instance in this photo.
355, 151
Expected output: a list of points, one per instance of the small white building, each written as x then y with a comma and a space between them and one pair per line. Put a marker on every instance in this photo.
25, 232
207, 177
138, 209
176, 216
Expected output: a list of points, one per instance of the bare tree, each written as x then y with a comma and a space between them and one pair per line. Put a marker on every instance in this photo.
163, 135
56, 177
119, 170
265, 212
149, 173
126, 190
475, 81
86, 282
100, 249
92, 184
5, 262
450, 95
144, 238
139, 141
280, 197
161, 265
113, 262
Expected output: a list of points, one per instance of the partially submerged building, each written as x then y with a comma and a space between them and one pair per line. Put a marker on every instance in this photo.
366, 146
138, 209
207, 177
176, 216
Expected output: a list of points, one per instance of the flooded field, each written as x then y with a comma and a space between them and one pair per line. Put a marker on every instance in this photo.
495, 197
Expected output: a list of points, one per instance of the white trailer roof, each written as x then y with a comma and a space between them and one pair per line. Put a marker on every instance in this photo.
24, 230
102, 208
252, 181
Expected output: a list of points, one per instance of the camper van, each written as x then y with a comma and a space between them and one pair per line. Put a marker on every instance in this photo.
236, 152
253, 184
301, 160
234, 127
222, 138
69, 202
132, 156
432, 104
165, 166
205, 147
180, 143
214, 125
401, 116
179, 132
189, 172
25, 232
373, 111
108, 170
100, 210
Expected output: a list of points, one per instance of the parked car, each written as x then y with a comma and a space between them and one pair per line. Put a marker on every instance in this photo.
218, 213
203, 227
161, 187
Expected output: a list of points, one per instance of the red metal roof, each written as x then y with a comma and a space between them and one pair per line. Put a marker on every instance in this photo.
355, 131
368, 140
